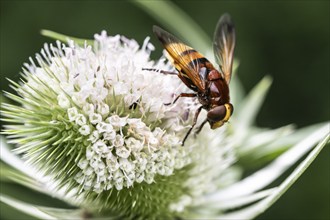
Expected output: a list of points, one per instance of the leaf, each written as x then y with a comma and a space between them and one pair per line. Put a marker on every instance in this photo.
26, 208
43, 212
238, 202
247, 111
261, 139
65, 38
244, 191
254, 210
268, 174
17, 171
285, 142
10, 213
272, 150
9, 174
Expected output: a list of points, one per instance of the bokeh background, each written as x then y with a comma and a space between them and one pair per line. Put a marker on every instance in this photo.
288, 40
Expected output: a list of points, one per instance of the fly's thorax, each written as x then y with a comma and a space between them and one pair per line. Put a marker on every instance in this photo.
218, 92
213, 75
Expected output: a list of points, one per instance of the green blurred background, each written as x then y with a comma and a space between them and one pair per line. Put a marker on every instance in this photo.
288, 40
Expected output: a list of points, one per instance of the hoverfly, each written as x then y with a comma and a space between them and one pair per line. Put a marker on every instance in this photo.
208, 84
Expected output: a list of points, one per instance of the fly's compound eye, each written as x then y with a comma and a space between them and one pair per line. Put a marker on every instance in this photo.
217, 114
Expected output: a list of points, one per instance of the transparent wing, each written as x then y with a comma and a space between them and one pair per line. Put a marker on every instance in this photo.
224, 45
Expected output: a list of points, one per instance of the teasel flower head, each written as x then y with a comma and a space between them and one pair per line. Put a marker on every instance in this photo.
92, 127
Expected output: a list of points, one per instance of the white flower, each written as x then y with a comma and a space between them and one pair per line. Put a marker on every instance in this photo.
95, 125
95, 90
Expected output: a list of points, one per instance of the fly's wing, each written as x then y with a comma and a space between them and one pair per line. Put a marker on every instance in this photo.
185, 59
224, 45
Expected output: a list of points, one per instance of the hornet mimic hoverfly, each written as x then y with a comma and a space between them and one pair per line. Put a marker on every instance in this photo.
208, 84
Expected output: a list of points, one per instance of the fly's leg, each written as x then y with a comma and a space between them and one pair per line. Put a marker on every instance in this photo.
182, 95
160, 71
193, 125
200, 127
172, 73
